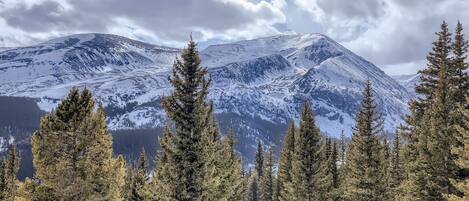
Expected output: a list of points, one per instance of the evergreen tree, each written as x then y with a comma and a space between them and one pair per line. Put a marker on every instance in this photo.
385, 170
441, 133
164, 177
438, 57
333, 166
343, 147
139, 187
396, 170
306, 158
419, 184
267, 179
8, 170
443, 87
72, 153
212, 157
259, 163
186, 106
363, 181
459, 77
222, 176
434, 167
426, 87
252, 193
284, 181
233, 185
328, 180
462, 153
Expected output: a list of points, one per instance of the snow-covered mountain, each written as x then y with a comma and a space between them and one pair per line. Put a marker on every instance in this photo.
408, 81
258, 85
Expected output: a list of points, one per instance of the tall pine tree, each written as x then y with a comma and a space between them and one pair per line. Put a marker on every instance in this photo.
328, 180
433, 168
186, 106
363, 181
284, 178
306, 158
459, 66
267, 179
425, 88
396, 169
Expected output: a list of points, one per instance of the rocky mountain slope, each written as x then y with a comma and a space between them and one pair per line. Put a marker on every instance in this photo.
258, 85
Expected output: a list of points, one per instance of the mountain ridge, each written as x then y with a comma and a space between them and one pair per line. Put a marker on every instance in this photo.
258, 85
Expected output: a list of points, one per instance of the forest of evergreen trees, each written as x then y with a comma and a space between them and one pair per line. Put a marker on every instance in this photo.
427, 159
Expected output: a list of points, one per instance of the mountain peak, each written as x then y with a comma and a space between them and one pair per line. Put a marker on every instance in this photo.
257, 86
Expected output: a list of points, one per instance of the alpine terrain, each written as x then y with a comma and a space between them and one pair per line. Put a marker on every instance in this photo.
257, 86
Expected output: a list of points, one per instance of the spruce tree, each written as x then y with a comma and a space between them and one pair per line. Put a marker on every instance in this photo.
212, 157
419, 184
187, 107
396, 170
441, 133
438, 57
252, 192
442, 89
385, 170
425, 88
343, 147
462, 153
222, 170
333, 165
164, 177
363, 181
8, 170
259, 163
434, 167
328, 179
267, 179
459, 66
306, 158
232, 177
284, 180
139, 185
72, 153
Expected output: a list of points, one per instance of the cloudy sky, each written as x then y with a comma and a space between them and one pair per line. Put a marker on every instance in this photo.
394, 34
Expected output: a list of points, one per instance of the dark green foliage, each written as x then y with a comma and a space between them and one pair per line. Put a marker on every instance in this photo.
462, 155
267, 179
343, 147
306, 158
459, 65
284, 178
252, 193
328, 180
72, 152
187, 108
139, 180
438, 57
396, 171
259, 163
429, 163
364, 176
8, 170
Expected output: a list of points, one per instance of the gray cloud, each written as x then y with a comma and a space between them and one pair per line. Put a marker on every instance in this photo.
158, 21
394, 34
